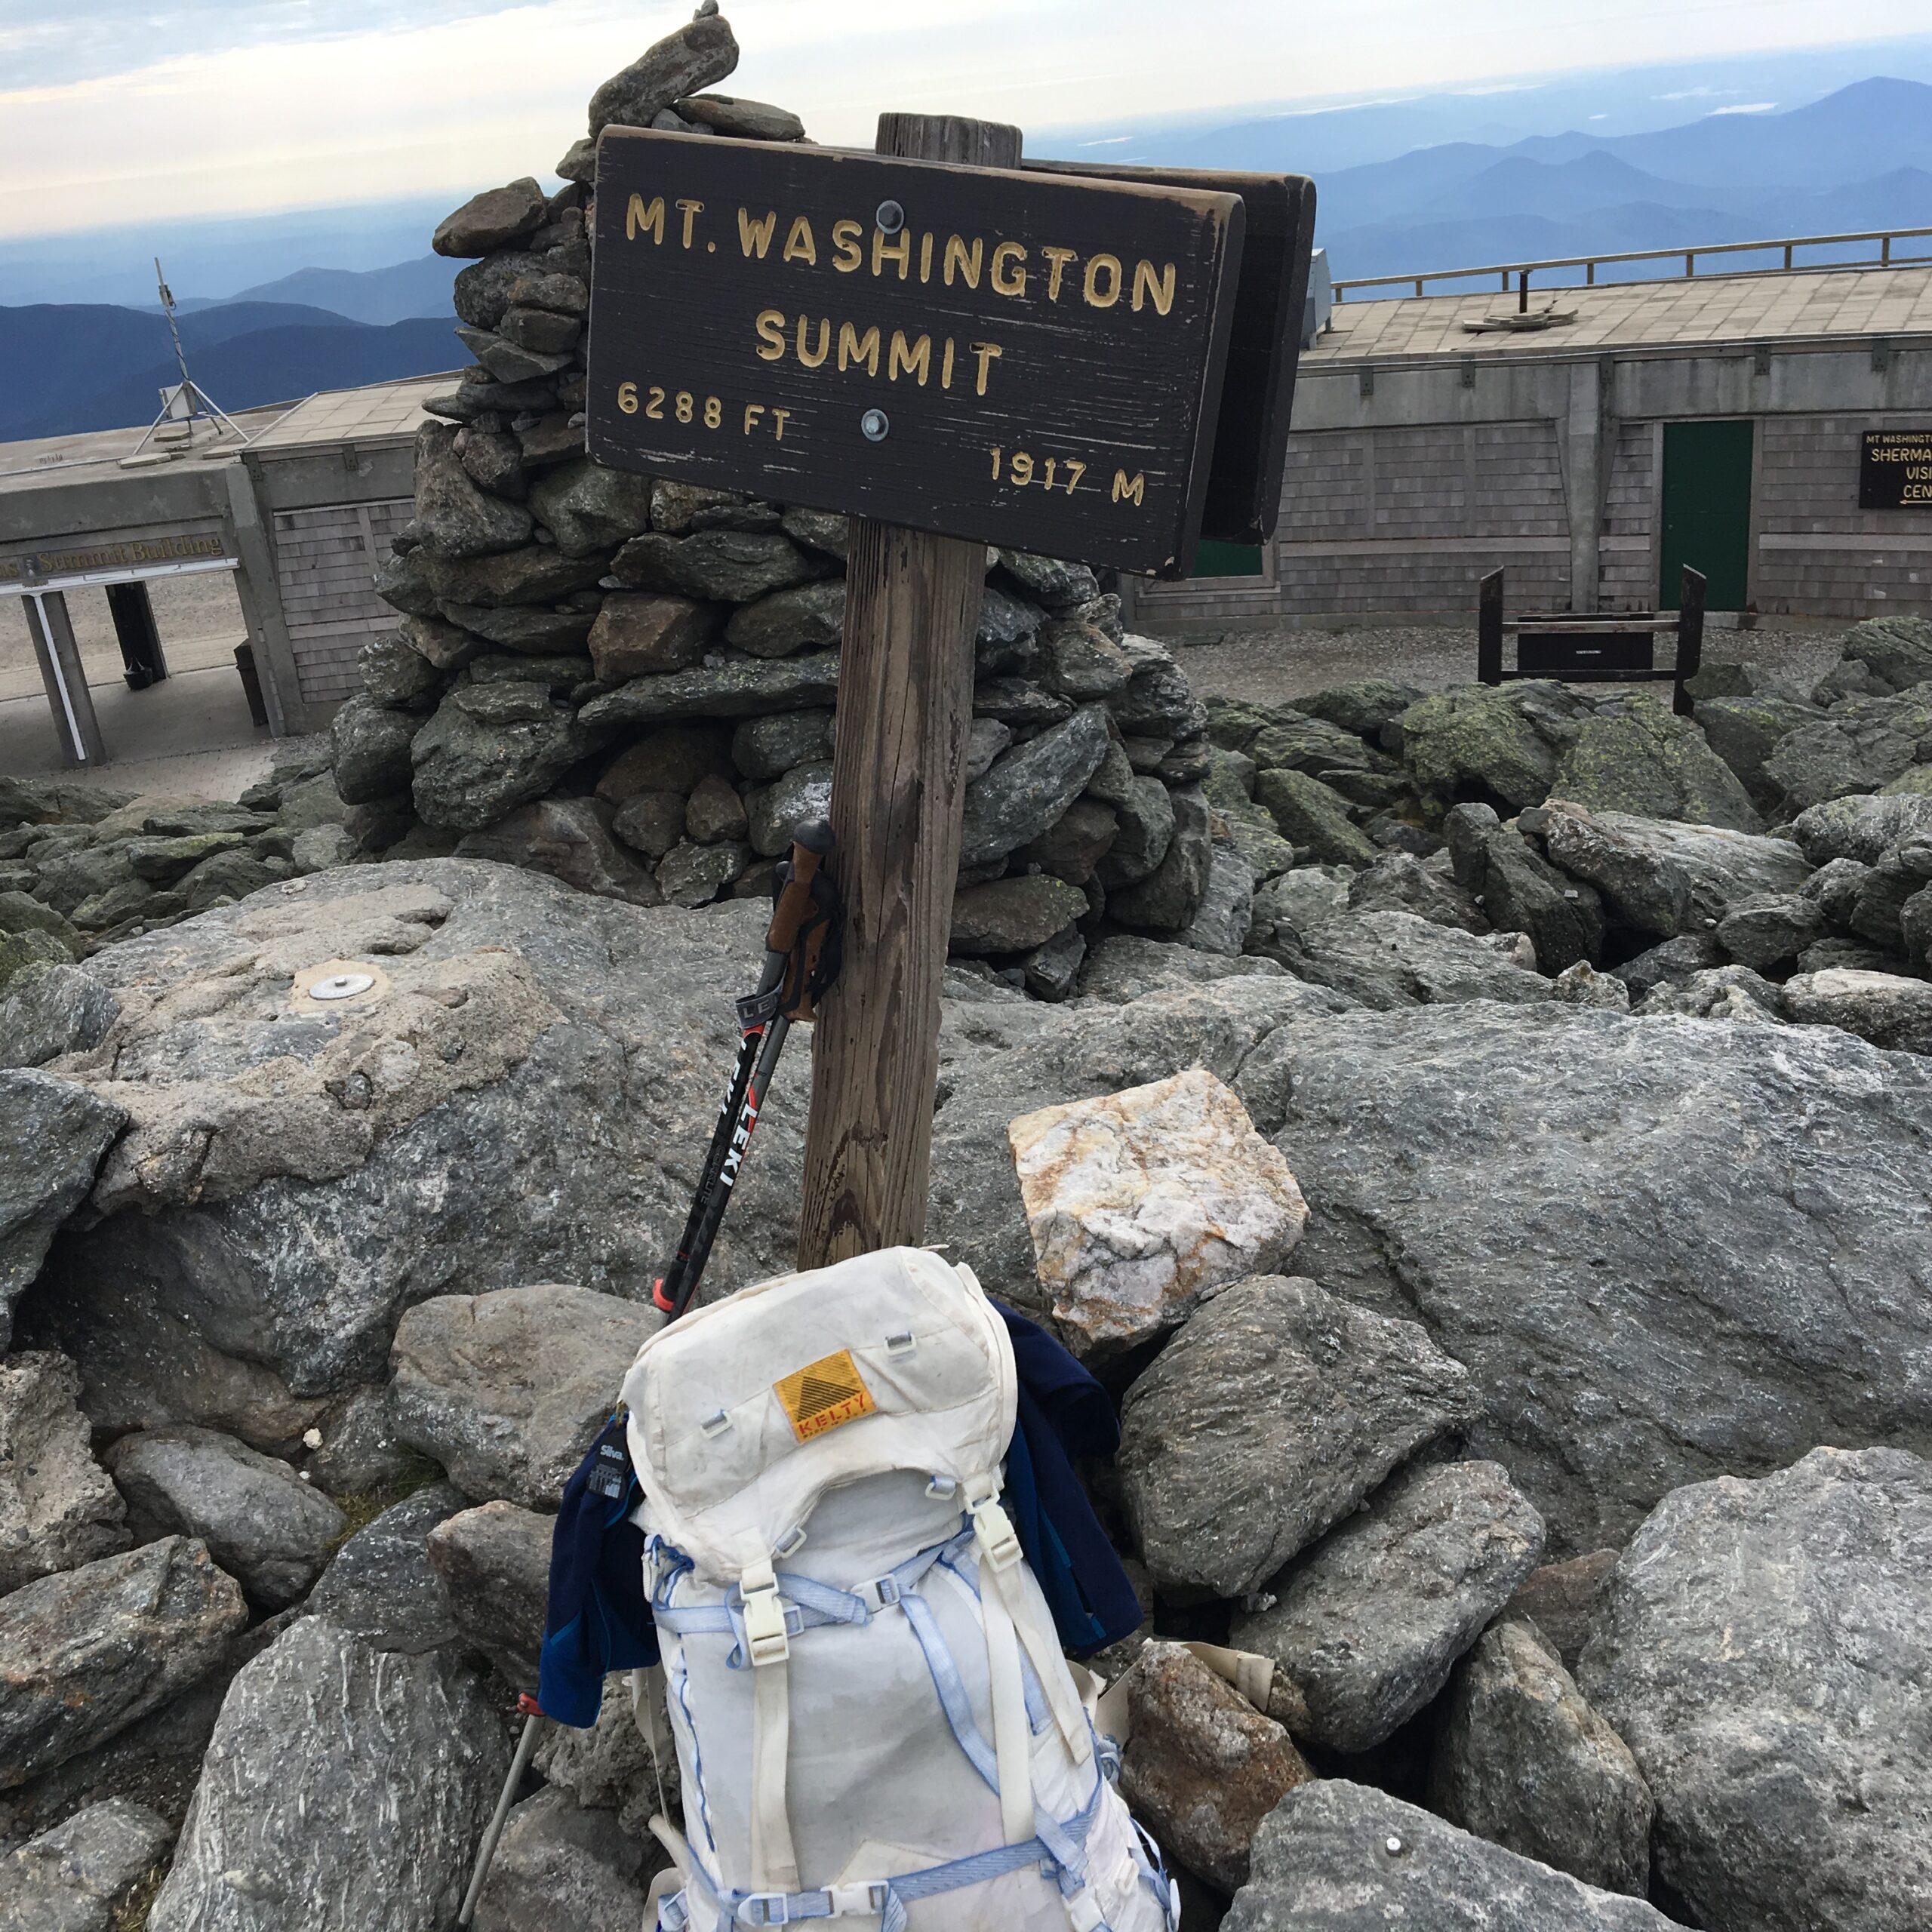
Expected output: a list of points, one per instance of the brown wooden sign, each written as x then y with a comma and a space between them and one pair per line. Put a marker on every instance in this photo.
1244, 499
1020, 358
1895, 470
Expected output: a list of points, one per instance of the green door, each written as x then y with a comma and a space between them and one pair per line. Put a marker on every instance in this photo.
1707, 512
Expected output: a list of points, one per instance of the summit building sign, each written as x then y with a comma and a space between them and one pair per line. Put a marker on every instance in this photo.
1020, 358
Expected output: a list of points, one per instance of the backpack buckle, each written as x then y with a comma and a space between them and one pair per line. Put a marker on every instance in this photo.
765, 1638
993, 1529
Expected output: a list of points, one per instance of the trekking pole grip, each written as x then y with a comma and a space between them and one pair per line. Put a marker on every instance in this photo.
811, 840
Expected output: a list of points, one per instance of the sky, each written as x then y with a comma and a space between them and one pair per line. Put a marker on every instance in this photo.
120, 111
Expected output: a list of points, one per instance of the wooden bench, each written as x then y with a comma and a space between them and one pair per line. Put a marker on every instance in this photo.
1616, 647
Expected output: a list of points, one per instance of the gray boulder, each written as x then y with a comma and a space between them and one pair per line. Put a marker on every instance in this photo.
588, 507
1370, 1621
47, 1010
58, 1509
344, 1788
1622, 1140
1862, 745
734, 687
89, 1650
1170, 897
569, 839
558, 1864
1766, 930
1671, 960
731, 566
260, 1521
1522, 1760
493, 1563
1012, 915
1339, 1857
1761, 1649
1863, 828
52, 1134
1391, 959
1314, 819
371, 748
1582, 985
609, 1767
1664, 878
1028, 789
1123, 966
1724, 992
1222, 920
1487, 743
1560, 1598
809, 617
539, 573
774, 810
491, 220
693, 875
763, 749
1637, 756
488, 748
455, 518
226, 1301
1745, 731
379, 1586
1271, 1415
1364, 706
1896, 651
73, 1877
1522, 892
698, 55
1400, 882
1144, 810
1888, 1009
507, 1390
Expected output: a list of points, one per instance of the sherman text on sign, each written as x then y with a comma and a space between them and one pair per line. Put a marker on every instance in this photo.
1895, 470
1019, 358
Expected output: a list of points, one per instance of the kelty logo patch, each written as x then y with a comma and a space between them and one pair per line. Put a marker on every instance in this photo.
824, 1394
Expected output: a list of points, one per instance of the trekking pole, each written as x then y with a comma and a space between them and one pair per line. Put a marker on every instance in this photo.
801, 956
801, 960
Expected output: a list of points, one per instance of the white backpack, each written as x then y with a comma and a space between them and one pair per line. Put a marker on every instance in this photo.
873, 1714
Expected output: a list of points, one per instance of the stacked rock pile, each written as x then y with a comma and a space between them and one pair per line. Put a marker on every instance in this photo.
633, 683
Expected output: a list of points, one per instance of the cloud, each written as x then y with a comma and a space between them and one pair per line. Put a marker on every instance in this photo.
240, 106
1748, 107
95, 39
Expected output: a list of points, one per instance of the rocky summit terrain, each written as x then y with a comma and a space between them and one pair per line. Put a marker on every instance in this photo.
1483, 1137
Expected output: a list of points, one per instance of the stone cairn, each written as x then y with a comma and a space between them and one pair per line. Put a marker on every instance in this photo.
632, 683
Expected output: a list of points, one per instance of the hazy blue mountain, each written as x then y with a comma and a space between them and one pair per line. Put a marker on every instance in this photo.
211, 256
1411, 248
72, 367
1869, 128
1560, 190
392, 294
51, 354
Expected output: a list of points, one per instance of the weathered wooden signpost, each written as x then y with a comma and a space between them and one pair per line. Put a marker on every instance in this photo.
956, 352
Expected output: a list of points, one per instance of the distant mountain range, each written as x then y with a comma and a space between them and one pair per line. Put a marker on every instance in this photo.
394, 294
70, 367
1860, 159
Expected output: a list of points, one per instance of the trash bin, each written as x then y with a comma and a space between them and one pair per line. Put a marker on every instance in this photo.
251, 683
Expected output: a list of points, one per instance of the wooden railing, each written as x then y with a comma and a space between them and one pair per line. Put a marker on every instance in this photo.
1787, 247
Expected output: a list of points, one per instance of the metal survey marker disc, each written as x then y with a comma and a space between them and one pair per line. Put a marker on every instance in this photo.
342, 985
338, 982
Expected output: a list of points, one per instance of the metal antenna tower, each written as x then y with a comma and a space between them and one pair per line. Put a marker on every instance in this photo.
186, 403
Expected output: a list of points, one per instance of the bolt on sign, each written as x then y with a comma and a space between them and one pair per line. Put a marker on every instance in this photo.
1022, 359
1895, 470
